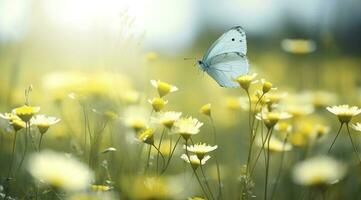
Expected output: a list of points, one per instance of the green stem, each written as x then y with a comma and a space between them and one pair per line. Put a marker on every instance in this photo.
171, 155
206, 181
159, 145
160, 153
267, 166
281, 168
334, 140
148, 158
353, 144
252, 132
25, 147
195, 173
216, 158
12, 155
41, 138
260, 151
85, 132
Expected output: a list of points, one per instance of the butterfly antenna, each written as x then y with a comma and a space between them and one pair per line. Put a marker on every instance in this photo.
189, 58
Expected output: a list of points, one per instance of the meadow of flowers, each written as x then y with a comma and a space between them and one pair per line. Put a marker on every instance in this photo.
123, 122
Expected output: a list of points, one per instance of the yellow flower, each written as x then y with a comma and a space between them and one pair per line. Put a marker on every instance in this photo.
167, 119
157, 103
14, 121
298, 110
187, 127
246, 80
26, 112
151, 56
43, 122
318, 171
274, 98
206, 109
298, 46
100, 188
276, 145
135, 117
130, 96
270, 119
357, 126
321, 130
344, 112
233, 103
143, 187
323, 98
194, 160
163, 87
147, 136
59, 171
266, 86
201, 149
283, 127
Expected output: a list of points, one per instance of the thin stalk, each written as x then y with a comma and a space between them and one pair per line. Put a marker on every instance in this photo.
41, 138
267, 166
216, 158
195, 173
85, 131
252, 131
159, 145
32, 138
206, 181
353, 144
148, 158
12, 155
260, 151
27, 129
334, 140
249, 111
171, 155
281, 168
160, 153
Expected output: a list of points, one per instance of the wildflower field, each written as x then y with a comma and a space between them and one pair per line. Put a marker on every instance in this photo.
108, 100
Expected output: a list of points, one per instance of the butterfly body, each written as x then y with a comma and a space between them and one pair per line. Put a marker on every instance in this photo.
226, 59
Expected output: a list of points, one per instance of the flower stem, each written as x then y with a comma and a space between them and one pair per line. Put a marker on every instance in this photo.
148, 158
334, 140
27, 130
267, 165
159, 145
281, 167
41, 138
12, 155
269, 132
353, 144
160, 153
216, 158
206, 181
171, 155
195, 173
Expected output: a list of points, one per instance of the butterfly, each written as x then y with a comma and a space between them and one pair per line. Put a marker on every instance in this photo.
226, 59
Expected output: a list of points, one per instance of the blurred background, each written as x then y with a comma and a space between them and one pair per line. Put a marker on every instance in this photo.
111, 49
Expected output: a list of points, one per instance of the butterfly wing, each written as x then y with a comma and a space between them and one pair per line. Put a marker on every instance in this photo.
233, 40
224, 68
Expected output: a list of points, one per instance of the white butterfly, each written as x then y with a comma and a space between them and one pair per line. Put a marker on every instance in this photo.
226, 59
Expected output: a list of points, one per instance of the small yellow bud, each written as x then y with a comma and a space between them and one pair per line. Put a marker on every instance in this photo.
245, 81
206, 109
267, 86
147, 136
157, 103
163, 87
